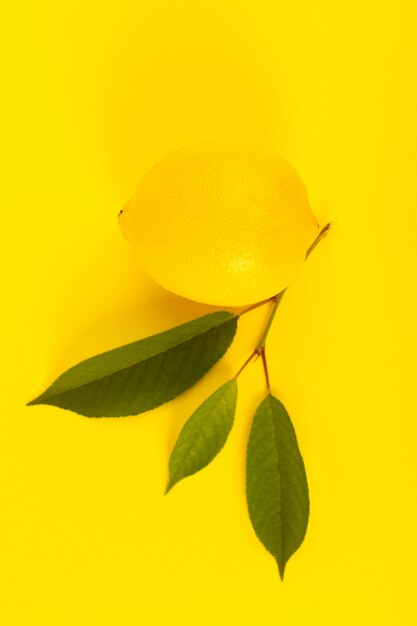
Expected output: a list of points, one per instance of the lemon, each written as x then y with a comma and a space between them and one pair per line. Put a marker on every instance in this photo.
222, 224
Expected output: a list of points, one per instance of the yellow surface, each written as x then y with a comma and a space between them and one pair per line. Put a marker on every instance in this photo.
93, 94
235, 214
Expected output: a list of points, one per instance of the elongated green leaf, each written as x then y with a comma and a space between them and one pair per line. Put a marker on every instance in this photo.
276, 483
204, 434
142, 375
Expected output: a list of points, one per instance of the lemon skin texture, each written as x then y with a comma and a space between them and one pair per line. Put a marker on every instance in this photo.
222, 224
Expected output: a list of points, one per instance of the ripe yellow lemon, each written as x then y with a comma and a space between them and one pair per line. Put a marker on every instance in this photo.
221, 224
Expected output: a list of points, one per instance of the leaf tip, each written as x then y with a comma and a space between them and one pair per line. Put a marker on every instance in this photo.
281, 570
170, 485
34, 401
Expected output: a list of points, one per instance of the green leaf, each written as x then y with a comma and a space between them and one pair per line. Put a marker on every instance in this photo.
276, 483
204, 434
142, 375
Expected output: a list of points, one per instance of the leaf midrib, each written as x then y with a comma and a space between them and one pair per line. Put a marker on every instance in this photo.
193, 444
141, 360
274, 427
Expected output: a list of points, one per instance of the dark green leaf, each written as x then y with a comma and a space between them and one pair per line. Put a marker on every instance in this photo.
276, 483
142, 375
204, 434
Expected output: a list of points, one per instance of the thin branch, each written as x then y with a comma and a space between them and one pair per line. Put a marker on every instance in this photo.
277, 300
319, 237
260, 348
248, 360
265, 364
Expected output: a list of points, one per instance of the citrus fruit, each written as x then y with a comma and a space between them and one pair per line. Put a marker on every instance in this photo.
221, 224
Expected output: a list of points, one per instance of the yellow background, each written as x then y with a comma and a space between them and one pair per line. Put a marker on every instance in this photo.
94, 93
